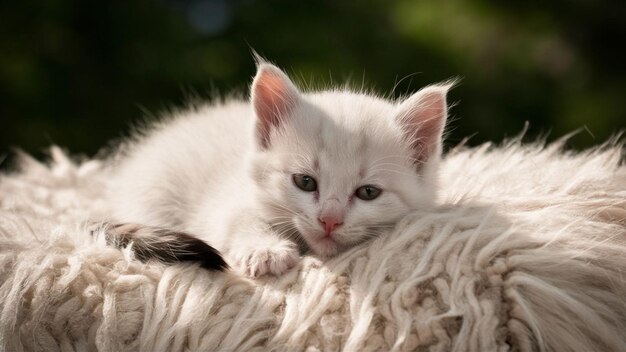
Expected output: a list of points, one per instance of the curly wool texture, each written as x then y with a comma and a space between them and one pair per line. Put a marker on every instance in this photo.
527, 253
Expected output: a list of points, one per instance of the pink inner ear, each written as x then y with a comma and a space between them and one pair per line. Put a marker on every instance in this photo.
273, 95
270, 92
423, 117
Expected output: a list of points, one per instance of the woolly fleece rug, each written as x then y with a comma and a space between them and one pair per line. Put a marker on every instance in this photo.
527, 253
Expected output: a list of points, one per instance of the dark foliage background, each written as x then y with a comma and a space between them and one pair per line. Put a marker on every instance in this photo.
78, 72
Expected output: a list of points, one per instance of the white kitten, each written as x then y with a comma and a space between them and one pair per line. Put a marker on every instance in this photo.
289, 170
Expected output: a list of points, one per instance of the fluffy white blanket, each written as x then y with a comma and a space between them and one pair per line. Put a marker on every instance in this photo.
528, 253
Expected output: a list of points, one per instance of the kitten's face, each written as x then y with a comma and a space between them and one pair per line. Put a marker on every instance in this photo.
337, 169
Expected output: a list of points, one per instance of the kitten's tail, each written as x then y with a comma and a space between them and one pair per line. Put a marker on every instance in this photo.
161, 244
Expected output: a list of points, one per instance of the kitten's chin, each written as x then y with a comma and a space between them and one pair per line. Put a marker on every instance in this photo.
323, 246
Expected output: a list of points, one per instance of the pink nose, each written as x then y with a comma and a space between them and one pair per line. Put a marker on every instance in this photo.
330, 224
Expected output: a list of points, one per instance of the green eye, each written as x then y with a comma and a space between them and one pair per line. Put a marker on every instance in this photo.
368, 192
305, 182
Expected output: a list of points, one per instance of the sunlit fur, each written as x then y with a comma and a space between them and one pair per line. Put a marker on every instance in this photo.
204, 171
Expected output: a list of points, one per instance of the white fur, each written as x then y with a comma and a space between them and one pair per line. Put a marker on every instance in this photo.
526, 255
224, 172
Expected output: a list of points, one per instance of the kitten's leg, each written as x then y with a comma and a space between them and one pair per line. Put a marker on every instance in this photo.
257, 250
161, 244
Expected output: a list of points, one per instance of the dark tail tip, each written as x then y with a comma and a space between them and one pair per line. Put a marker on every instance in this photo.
164, 245
187, 248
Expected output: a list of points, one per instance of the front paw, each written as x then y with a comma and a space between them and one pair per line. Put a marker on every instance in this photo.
273, 260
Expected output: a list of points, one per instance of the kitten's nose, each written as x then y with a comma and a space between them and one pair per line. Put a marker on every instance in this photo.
329, 223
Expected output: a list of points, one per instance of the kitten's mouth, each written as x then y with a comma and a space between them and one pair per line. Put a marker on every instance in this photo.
327, 239
323, 245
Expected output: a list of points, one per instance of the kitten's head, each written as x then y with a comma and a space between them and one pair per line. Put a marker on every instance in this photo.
335, 168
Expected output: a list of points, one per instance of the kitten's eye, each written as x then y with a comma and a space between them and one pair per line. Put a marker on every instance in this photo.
368, 192
305, 182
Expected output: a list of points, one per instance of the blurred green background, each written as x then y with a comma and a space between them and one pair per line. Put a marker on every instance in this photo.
77, 72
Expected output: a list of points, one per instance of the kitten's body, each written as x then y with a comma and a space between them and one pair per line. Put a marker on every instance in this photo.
225, 173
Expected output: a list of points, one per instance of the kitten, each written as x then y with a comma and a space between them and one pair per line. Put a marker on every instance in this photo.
286, 172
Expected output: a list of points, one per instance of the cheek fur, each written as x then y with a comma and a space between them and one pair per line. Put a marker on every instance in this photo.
283, 198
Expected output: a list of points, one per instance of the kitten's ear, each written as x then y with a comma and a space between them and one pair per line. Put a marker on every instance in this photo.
273, 97
422, 117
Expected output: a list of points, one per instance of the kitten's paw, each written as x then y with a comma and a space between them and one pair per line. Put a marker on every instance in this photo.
274, 260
